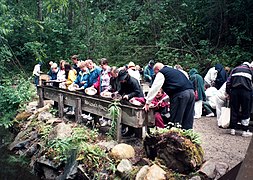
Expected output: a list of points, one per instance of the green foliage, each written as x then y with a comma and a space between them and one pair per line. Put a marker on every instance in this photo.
192, 33
114, 113
190, 134
13, 94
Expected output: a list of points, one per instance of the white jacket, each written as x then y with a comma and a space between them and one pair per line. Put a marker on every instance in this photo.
211, 76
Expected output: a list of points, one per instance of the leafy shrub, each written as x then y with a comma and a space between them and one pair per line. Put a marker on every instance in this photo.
13, 94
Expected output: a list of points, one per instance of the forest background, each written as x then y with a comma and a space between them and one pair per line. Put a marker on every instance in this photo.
193, 33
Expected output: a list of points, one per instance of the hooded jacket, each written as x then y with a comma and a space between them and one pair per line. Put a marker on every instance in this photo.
198, 83
221, 76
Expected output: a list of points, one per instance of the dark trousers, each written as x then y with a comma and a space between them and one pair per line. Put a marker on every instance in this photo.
240, 99
182, 108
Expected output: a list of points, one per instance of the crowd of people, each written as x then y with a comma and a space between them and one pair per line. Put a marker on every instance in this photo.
177, 97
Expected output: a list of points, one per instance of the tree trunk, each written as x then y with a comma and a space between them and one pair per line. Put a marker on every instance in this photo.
70, 15
39, 4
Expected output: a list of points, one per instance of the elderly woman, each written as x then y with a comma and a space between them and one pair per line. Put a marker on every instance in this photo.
82, 79
198, 84
94, 72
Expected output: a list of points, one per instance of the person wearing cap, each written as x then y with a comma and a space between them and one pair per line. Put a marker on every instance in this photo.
239, 89
133, 72
76, 63
130, 86
149, 72
36, 73
180, 90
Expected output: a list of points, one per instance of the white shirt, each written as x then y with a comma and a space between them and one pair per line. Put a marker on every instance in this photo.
156, 86
36, 70
134, 74
211, 76
211, 96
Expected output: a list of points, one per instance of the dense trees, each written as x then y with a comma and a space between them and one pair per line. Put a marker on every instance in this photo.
190, 32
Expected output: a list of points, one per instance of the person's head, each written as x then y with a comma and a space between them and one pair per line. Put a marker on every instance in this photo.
131, 65
50, 63
104, 63
122, 76
159, 94
74, 59
62, 63
114, 71
67, 67
178, 67
83, 66
89, 64
137, 67
40, 63
227, 69
151, 63
158, 67
54, 67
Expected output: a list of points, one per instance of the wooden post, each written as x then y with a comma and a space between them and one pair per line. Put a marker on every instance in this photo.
60, 105
78, 110
119, 126
246, 169
145, 125
41, 99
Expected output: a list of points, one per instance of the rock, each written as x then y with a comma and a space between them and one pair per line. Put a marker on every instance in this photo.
143, 162
155, 173
208, 168
220, 169
49, 173
43, 116
124, 166
31, 107
122, 151
60, 131
142, 173
23, 116
108, 145
54, 120
195, 178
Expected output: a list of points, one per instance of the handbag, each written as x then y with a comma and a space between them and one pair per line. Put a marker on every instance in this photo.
225, 116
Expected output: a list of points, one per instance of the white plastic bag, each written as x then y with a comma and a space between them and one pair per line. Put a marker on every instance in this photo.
225, 117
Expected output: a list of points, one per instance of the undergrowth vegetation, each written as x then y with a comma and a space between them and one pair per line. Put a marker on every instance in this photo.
14, 93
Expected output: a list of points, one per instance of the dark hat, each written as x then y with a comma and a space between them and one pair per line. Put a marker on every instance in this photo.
152, 62
122, 75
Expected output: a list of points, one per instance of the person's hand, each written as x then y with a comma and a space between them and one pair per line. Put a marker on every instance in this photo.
146, 107
125, 97
150, 78
82, 82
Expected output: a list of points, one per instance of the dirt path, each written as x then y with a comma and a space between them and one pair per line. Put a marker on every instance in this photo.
218, 144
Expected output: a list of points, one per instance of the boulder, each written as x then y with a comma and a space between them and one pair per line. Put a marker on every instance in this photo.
107, 145
31, 107
54, 120
43, 116
124, 166
60, 131
122, 151
23, 116
208, 168
142, 173
195, 178
155, 173
220, 169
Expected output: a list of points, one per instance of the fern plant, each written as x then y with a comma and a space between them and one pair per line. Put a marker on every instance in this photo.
114, 112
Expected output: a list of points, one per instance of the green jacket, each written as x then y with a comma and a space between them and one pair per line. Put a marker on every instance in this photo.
198, 83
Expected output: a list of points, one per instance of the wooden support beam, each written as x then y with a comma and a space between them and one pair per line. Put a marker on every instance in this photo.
41, 97
246, 169
119, 126
78, 110
60, 105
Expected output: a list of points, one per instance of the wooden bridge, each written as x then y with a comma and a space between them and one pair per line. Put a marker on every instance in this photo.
129, 115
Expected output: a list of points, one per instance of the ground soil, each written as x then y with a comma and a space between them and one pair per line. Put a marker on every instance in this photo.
218, 144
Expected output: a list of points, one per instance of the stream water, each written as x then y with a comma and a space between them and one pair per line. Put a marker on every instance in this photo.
11, 166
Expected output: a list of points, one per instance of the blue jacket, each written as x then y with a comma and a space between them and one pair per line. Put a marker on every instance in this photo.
93, 76
82, 76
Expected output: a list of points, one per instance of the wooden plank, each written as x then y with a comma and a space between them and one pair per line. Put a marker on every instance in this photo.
78, 110
60, 105
246, 169
41, 98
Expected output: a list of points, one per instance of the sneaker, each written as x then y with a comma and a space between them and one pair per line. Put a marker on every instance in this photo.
232, 132
246, 133
102, 122
210, 115
65, 109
